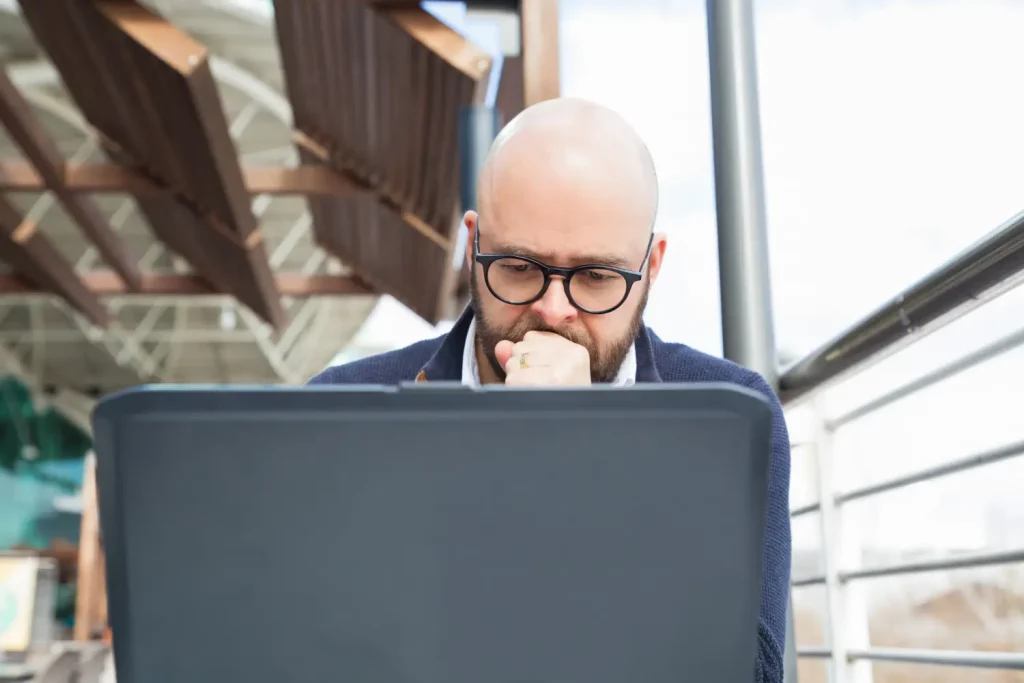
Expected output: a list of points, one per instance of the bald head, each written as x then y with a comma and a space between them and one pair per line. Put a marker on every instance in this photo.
568, 184
569, 161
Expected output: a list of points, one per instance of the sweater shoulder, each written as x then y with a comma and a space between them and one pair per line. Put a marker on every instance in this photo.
681, 363
391, 367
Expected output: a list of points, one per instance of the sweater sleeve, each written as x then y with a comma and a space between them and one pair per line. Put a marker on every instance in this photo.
777, 547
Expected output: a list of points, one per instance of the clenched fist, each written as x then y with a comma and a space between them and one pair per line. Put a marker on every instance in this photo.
544, 359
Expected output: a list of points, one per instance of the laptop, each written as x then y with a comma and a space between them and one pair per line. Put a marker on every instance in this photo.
434, 533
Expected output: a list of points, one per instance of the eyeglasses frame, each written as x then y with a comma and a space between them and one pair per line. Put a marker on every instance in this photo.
631, 276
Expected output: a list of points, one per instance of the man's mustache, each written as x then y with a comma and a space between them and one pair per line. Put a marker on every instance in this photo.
521, 328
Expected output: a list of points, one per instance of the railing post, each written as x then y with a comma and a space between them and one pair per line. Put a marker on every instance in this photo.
847, 618
748, 335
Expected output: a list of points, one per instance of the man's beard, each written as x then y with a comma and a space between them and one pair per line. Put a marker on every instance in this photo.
604, 361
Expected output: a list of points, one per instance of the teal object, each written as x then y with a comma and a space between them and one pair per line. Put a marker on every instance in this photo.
8, 608
42, 458
29, 434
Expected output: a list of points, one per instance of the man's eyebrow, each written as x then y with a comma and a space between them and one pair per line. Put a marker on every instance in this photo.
613, 260
512, 250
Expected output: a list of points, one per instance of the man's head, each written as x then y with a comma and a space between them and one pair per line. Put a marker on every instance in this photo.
567, 183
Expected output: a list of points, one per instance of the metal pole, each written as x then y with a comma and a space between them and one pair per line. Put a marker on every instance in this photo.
747, 330
478, 126
748, 335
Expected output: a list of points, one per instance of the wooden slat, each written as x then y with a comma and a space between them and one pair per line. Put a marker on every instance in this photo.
157, 37
31, 255
446, 43
376, 95
306, 180
171, 75
314, 152
239, 270
510, 100
90, 583
541, 77
106, 283
147, 88
28, 133
401, 255
112, 178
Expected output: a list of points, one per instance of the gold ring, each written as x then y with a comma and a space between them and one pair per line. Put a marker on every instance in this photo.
522, 361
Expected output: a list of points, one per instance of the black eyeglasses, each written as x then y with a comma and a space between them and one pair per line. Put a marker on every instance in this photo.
592, 288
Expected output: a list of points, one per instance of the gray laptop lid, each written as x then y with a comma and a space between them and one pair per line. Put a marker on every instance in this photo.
434, 534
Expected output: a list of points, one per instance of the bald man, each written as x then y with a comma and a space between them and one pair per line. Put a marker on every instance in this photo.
564, 254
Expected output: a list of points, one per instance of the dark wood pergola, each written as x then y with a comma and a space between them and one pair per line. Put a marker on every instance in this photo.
375, 90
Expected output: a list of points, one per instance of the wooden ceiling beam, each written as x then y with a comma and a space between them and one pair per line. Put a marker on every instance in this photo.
403, 81
314, 150
34, 257
541, 62
106, 283
510, 100
29, 134
443, 41
148, 89
107, 178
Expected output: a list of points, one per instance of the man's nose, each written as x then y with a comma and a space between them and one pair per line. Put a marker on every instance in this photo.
554, 307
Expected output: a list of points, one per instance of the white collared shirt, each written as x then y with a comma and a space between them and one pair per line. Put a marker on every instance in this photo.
471, 372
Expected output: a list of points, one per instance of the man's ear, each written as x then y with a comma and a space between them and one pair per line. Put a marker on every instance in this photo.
657, 256
470, 221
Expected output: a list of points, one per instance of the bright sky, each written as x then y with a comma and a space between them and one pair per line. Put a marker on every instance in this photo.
892, 139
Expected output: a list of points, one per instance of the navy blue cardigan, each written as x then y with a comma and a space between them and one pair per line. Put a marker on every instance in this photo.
657, 361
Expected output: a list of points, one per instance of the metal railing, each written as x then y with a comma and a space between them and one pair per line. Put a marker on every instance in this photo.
986, 269
990, 267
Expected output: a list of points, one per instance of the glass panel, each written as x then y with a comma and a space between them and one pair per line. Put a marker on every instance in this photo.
974, 411
963, 609
881, 163
808, 552
810, 616
975, 511
994, 320
812, 670
803, 478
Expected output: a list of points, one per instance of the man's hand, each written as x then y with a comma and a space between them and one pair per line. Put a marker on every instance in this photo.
544, 359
